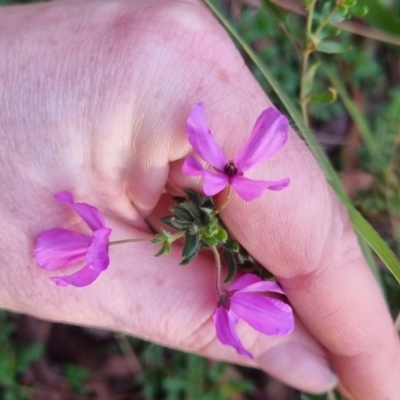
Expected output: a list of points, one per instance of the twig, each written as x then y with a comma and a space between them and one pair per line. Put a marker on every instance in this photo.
128, 353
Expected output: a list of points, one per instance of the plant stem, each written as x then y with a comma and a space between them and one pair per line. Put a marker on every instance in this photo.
218, 286
331, 395
226, 201
326, 20
397, 323
303, 100
130, 241
304, 62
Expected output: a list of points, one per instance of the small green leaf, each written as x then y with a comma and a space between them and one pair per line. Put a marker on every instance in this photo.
178, 199
165, 249
191, 247
326, 97
331, 47
231, 264
162, 237
209, 240
193, 196
309, 78
336, 18
348, 3
231, 245
182, 213
221, 235
360, 11
176, 223
191, 208
208, 202
344, 11
205, 216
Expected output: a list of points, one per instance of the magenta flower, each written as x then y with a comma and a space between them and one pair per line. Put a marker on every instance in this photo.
59, 248
268, 136
244, 300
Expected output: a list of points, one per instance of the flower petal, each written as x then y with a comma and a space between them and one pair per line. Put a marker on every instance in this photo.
83, 277
269, 316
244, 281
263, 286
249, 189
269, 134
225, 329
192, 167
202, 140
97, 257
91, 215
214, 183
59, 248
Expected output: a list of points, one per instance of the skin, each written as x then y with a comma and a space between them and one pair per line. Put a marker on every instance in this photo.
94, 100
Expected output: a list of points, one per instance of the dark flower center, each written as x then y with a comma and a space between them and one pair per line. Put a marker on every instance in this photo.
224, 301
230, 169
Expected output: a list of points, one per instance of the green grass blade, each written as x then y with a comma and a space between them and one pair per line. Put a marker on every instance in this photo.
355, 114
364, 229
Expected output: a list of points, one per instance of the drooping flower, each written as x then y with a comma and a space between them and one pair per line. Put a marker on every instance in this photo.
268, 136
245, 300
59, 248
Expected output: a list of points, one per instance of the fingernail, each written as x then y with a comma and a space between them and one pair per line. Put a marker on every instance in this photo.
298, 367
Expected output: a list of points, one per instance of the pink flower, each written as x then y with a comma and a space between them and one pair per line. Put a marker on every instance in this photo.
244, 300
268, 136
59, 248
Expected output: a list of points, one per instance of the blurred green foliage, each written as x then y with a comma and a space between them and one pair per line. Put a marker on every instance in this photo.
76, 377
14, 360
173, 375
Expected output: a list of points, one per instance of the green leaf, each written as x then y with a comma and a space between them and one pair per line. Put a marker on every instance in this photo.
205, 216
360, 12
326, 97
178, 199
176, 223
182, 213
348, 3
381, 16
360, 224
231, 245
191, 208
208, 202
356, 115
27, 355
209, 240
330, 47
162, 237
165, 249
231, 264
221, 235
191, 247
193, 196
309, 78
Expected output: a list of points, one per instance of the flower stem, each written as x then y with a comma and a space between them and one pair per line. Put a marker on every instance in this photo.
304, 62
326, 20
177, 236
218, 284
130, 241
226, 201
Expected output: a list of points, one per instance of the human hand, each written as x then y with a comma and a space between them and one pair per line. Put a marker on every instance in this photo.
94, 100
